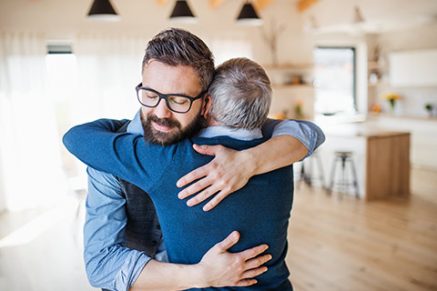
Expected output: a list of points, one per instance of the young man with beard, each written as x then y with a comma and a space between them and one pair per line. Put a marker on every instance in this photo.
122, 232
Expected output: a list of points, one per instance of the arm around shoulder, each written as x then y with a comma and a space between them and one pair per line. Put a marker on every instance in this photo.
291, 141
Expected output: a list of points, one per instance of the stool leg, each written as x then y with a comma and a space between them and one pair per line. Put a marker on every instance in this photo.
343, 182
355, 179
306, 176
331, 182
321, 173
301, 171
309, 175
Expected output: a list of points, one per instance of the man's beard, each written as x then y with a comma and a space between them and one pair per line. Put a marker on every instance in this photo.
154, 136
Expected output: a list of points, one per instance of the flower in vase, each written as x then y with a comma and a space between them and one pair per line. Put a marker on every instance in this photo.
391, 97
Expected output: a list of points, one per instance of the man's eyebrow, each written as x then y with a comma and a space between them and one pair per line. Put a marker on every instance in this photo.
176, 93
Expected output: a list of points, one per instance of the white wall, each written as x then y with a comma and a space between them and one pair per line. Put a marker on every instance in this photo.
64, 19
379, 14
418, 38
2, 189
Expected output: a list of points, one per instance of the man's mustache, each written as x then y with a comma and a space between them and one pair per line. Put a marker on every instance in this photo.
164, 121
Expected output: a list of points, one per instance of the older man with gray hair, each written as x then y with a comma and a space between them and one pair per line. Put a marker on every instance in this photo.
241, 94
236, 107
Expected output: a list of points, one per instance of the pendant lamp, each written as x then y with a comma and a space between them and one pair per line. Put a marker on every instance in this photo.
103, 10
248, 15
182, 12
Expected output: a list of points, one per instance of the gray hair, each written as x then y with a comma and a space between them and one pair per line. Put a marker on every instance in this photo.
241, 94
179, 47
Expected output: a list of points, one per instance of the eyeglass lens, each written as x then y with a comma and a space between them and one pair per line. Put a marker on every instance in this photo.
175, 103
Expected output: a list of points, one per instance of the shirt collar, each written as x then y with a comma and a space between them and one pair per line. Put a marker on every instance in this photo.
236, 133
135, 125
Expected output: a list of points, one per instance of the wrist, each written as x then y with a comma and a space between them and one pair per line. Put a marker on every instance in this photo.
197, 275
252, 162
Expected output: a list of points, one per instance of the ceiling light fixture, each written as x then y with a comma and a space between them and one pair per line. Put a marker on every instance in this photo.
103, 10
248, 15
182, 12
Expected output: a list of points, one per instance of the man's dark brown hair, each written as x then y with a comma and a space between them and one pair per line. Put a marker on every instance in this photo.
179, 47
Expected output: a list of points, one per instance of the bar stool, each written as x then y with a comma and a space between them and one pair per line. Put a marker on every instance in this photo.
345, 158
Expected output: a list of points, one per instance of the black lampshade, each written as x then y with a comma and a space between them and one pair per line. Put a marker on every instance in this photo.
182, 11
102, 9
248, 15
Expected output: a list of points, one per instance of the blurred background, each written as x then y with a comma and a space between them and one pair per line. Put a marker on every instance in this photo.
365, 212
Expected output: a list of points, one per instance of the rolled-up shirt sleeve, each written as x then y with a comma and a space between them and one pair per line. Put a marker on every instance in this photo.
307, 132
108, 264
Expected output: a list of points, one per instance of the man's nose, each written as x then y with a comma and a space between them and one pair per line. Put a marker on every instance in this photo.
162, 111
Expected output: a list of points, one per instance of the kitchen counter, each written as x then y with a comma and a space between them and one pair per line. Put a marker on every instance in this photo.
423, 136
382, 157
359, 130
404, 117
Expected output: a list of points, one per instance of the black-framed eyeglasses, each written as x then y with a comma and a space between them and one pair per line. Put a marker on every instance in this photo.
178, 103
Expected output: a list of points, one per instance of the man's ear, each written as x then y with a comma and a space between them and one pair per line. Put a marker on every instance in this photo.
206, 107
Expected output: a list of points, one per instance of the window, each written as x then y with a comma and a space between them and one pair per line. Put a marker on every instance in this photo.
61, 72
335, 80
61, 65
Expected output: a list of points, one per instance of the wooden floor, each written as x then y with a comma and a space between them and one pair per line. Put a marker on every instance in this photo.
346, 244
334, 244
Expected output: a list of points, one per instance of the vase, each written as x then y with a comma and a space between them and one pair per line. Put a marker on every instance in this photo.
392, 103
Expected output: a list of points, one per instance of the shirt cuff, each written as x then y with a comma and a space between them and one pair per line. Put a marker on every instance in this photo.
131, 270
298, 130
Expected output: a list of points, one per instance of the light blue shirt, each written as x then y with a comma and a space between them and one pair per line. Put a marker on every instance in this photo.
108, 263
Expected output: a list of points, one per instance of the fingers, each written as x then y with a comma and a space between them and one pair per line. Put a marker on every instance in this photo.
192, 176
257, 262
254, 272
195, 188
205, 194
254, 267
246, 282
216, 200
228, 242
207, 149
253, 252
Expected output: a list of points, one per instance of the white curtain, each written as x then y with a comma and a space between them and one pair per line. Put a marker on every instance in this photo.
30, 166
109, 68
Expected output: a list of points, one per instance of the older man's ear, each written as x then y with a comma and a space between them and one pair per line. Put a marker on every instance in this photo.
206, 107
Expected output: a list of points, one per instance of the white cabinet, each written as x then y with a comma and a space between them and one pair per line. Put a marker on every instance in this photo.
413, 68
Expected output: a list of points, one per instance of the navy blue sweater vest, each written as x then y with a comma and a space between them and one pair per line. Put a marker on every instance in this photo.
260, 212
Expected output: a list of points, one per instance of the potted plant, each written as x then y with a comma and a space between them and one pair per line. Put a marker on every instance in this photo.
429, 108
